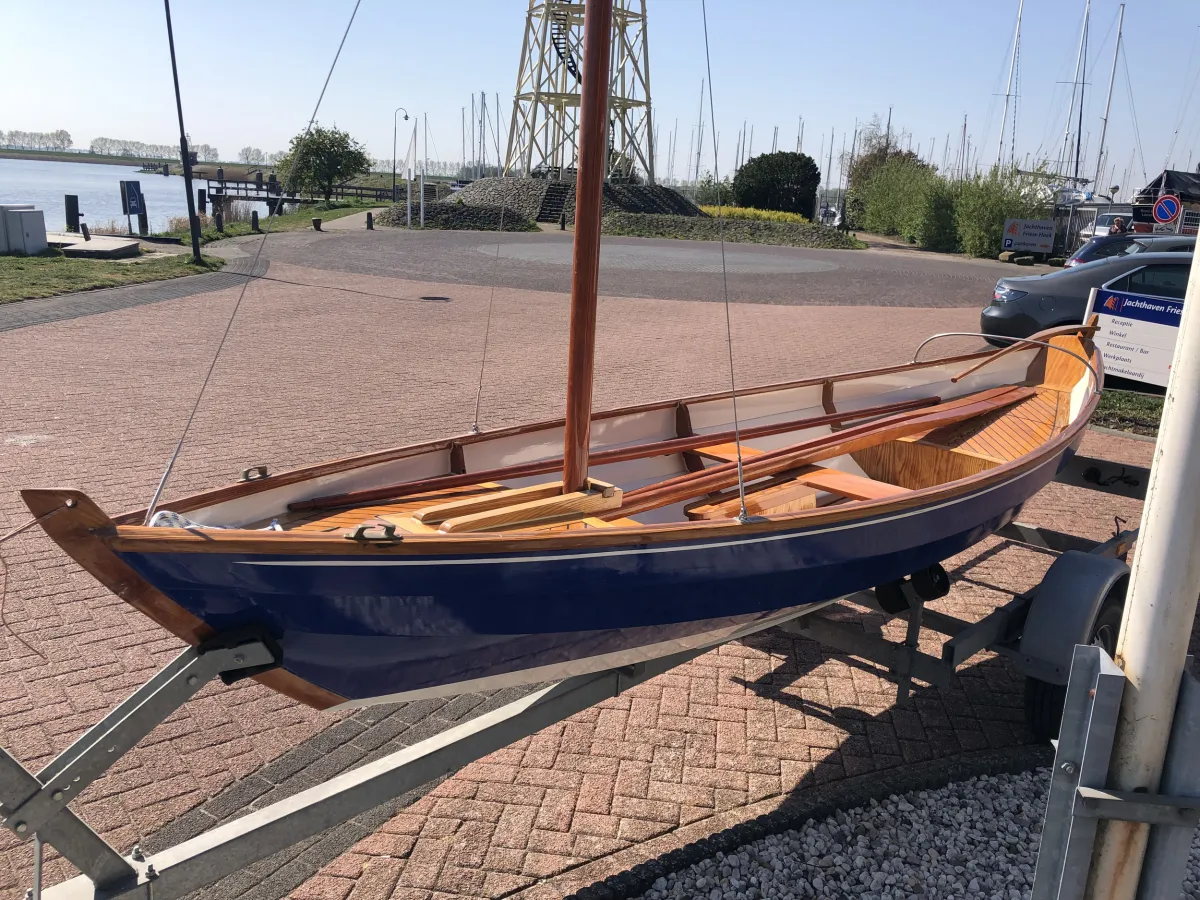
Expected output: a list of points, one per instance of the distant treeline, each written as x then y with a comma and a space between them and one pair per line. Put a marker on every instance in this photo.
61, 140
35, 140
122, 147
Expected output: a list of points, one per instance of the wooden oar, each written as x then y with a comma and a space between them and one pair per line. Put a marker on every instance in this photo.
719, 477
601, 457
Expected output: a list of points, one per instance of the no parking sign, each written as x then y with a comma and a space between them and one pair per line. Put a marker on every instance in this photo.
1166, 209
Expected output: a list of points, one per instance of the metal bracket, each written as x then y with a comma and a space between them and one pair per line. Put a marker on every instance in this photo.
37, 804
1130, 806
1079, 798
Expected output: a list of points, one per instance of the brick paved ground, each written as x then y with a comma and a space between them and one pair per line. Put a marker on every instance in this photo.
308, 373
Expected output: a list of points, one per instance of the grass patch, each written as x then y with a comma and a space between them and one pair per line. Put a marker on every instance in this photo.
51, 273
748, 231
299, 220
1129, 411
756, 215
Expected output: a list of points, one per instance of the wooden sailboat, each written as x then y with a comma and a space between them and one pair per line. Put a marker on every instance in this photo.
531, 553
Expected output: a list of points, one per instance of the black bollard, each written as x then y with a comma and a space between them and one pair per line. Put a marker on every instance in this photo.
562, 221
370, 221
166, 168
143, 223
220, 174
254, 220
258, 183
201, 201
219, 219
72, 203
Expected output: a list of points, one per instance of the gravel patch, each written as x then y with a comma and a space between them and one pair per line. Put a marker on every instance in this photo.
971, 839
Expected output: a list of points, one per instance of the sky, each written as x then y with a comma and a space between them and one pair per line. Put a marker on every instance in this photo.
251, 72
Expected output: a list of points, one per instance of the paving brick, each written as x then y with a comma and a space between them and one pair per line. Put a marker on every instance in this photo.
672, 744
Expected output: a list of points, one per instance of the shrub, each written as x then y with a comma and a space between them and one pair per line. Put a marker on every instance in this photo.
710, 192
758, 215
929, 222
985, 201
891, 196
778, 181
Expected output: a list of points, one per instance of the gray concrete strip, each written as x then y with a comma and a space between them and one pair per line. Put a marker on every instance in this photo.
89, 303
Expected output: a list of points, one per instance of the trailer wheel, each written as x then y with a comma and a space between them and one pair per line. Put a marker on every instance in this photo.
890, 597
932, 583
1044, 701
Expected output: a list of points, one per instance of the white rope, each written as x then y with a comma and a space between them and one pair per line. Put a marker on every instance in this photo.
162, 482
737, 431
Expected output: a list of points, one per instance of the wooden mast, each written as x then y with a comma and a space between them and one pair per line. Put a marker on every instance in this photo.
585, 270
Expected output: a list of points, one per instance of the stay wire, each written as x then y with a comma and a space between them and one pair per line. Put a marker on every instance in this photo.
487, 330
162, 483
8, 536
737, 431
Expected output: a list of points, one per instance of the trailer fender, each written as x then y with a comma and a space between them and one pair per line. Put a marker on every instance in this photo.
1063, 611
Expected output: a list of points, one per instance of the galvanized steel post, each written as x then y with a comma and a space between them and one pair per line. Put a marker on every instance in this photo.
1159, 614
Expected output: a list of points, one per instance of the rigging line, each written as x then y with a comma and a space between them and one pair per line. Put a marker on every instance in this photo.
487, 329
8, 536
1137, 133
162, 483
737, 431
1182, 112
330, 287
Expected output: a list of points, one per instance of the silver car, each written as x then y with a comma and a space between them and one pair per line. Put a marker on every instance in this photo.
1022, 306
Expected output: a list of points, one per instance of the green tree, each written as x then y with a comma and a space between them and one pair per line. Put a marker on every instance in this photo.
321, 160
784, 181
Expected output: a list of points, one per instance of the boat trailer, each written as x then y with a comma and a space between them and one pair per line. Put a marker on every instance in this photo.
1037, 631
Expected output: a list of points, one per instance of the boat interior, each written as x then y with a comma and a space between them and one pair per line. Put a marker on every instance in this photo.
805, 447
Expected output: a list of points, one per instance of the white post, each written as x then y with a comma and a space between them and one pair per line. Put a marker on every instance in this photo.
424, 167
412, 151
1159, 613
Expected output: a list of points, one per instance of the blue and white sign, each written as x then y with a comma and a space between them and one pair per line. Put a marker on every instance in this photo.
1136, 334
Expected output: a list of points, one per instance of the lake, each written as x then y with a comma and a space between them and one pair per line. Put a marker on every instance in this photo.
44, 183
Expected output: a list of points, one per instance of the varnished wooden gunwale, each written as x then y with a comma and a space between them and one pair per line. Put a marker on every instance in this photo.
154, 540
665, 447
136, 537
393, 454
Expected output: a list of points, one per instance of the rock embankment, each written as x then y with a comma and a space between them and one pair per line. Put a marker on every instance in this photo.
746, 231
448, 215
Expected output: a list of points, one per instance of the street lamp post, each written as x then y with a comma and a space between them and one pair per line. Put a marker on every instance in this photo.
405, 111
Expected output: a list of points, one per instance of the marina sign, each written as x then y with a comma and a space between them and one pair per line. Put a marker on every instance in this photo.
1136, 334
1035, 235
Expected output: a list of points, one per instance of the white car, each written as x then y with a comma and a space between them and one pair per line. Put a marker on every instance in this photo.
1104, 222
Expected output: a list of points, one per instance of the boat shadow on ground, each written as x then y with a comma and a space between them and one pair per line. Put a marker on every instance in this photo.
862, 744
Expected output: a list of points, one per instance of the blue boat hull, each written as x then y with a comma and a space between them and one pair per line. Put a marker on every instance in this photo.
367, 628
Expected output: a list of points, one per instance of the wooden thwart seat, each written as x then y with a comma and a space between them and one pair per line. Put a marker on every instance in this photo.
520, 507
793, 492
